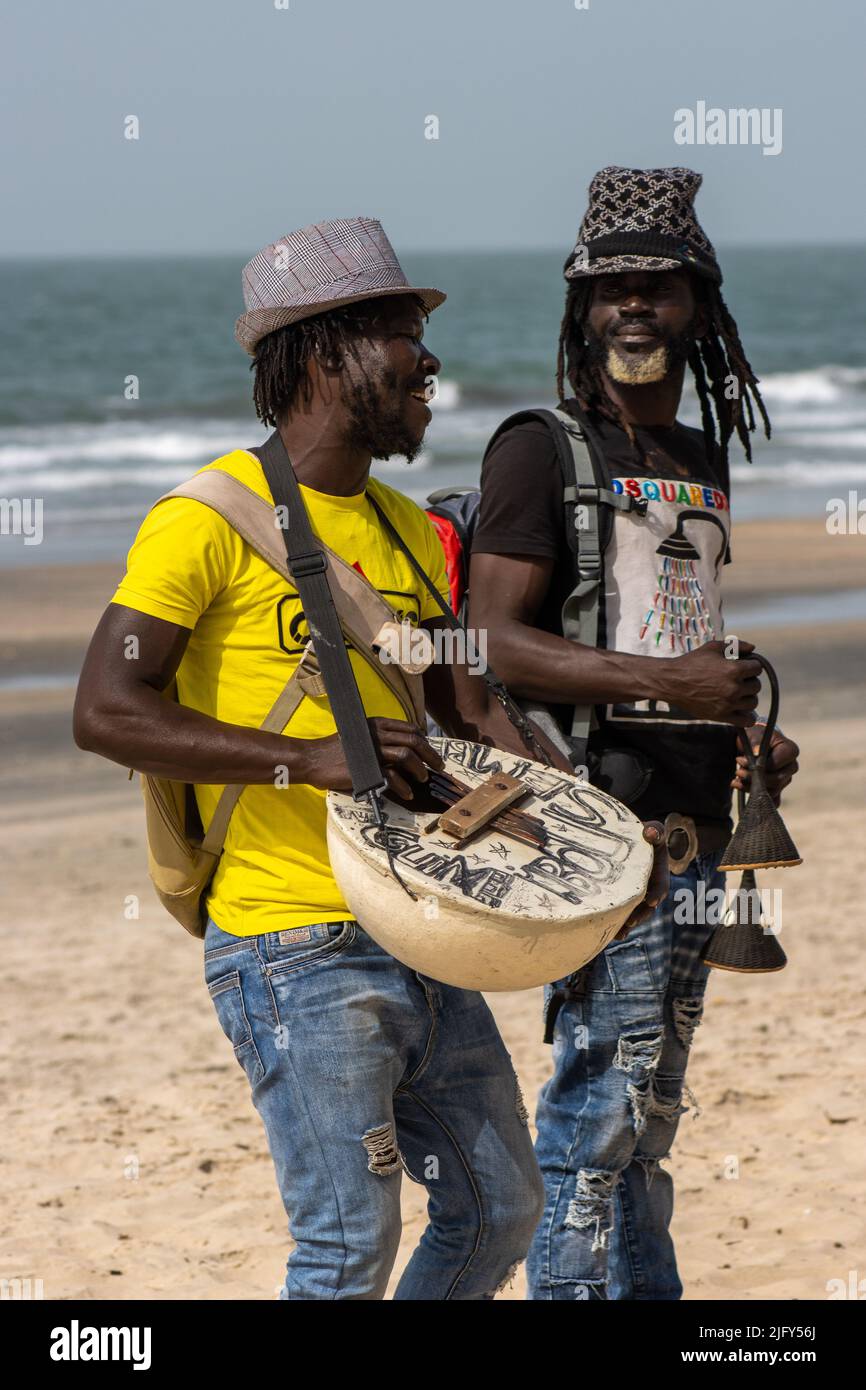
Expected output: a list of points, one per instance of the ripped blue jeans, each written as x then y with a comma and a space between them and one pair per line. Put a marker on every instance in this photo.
362, 1070
609, 1113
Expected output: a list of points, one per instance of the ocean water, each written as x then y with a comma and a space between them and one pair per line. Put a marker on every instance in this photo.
75, 330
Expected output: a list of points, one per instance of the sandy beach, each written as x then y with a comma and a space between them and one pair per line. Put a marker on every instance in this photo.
133, 1164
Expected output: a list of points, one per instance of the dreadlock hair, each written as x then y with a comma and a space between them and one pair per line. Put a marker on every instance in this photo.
713, 359
282, 357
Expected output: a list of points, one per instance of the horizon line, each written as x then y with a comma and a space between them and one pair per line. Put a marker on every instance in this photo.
178, 253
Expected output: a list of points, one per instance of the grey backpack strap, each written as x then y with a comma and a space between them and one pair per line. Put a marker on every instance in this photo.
580, 609
582, 498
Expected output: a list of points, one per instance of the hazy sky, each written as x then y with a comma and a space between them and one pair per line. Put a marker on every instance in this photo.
255, 120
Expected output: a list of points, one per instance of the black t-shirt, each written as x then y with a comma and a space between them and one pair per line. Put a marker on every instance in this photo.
661, 590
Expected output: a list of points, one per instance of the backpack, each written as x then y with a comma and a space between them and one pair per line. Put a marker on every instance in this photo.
454, 513
182, 854
588, 504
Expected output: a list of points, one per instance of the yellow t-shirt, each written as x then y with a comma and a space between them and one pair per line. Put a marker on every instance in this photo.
188, 566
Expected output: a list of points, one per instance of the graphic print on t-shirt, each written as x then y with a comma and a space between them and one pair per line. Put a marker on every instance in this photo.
663, 577
293, 629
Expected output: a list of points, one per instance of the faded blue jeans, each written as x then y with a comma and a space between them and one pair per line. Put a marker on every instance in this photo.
609, 1114
362, 1069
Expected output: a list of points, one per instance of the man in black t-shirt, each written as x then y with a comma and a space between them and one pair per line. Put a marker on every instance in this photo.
643, 302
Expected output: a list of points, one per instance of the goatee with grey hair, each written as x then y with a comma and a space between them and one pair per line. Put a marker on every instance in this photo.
640, 368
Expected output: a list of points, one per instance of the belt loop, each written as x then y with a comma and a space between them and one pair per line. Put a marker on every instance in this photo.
572, 989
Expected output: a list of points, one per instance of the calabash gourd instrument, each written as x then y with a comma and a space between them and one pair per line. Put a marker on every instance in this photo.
525, 875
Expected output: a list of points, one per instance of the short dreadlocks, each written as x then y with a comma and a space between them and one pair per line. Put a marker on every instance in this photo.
282, 357
713, 359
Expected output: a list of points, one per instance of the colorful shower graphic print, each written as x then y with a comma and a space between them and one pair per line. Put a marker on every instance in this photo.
663, 573
679, 617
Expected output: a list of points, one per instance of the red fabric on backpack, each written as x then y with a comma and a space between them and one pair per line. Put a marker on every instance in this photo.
455, 566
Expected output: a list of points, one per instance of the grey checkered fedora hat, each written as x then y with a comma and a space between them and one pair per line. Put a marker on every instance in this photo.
642, 219
319, 268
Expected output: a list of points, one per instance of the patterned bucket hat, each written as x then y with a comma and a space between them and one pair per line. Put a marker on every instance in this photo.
642, 219
318, 268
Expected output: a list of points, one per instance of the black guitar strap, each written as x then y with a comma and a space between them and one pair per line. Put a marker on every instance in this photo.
307, 563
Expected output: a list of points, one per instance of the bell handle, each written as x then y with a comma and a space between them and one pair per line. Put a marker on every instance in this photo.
758, 763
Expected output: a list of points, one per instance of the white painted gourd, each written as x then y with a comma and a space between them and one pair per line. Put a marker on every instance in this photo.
495, 914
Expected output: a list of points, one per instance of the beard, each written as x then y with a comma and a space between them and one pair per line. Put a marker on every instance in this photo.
377, 418
640, 368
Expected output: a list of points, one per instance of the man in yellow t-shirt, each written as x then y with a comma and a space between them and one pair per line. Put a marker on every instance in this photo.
274, 873
358, 1066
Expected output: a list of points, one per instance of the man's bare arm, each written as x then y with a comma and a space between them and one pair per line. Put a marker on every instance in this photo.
505, 595
121, 713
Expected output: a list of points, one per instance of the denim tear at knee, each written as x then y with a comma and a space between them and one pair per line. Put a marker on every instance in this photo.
638, 1052
383, 1156
687, 1017
590, 1207
649, 1101
670, 1108
638, 1056
638, 1099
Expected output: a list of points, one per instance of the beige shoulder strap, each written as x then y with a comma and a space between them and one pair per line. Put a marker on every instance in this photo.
362, 609
275, 721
